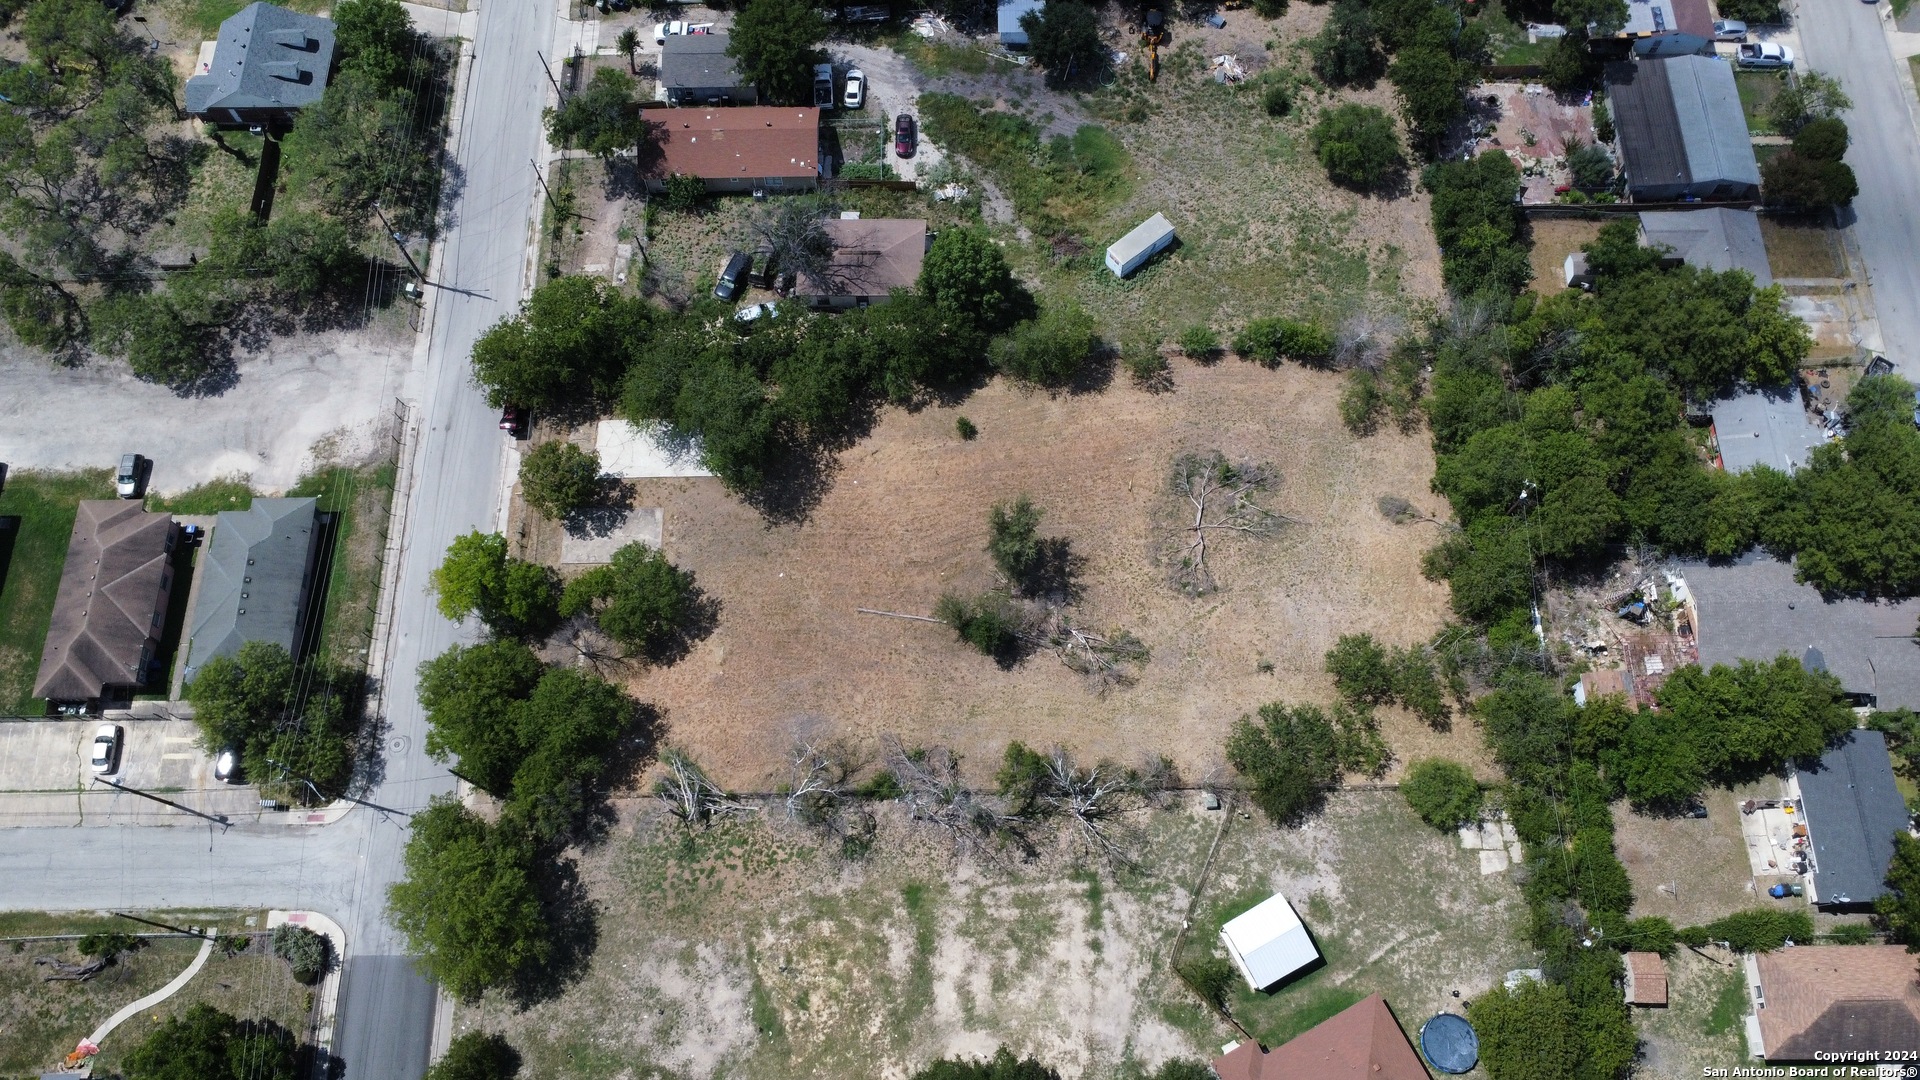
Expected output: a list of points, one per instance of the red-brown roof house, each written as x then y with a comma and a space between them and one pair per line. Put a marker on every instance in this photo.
753, 148
1829, 999
1646, 979
1363, 1042
871, 258
111, 604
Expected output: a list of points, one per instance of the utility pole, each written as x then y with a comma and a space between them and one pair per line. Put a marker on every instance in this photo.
161, 925
219, 818
543, 187
408, 255
547, 69
287, 772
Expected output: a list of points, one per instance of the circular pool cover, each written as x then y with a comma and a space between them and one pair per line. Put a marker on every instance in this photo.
1449, 1043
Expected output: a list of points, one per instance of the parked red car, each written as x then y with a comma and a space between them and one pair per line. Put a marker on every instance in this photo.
903, 135
513, 421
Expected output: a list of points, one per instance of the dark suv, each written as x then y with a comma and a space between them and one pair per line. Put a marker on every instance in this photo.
734, 278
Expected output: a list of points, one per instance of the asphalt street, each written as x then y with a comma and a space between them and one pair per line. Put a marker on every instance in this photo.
343, 870
1843, 38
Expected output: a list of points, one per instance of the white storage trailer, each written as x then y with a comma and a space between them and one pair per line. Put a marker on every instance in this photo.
1147, 239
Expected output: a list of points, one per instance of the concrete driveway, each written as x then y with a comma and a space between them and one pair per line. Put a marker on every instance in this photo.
46, 776
291, 395
1845, 39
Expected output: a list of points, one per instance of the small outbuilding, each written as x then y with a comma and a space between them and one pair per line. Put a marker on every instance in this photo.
1269, 942
696, 70
1012, 36
1147, 239
1646, 983
267, 64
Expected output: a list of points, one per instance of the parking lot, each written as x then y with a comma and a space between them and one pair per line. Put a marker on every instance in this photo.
46, 776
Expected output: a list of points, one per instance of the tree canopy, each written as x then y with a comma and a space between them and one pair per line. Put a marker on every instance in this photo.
205, 1043
477, 1055
966, 273
468, 906
1900, 906
575, 331
604, 118
1063, 37
1050, 350
1442, 792
1001, 1066
1293, 754
1526, 1033
558, 478
775, 43
639, 599
1357, 145
513, 597
290, 724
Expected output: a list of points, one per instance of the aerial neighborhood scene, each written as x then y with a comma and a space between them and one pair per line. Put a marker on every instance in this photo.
1048, 540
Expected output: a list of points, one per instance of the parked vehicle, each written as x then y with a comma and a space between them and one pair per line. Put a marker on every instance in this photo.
226, 767
1879, 365
865, 14
1729, 30
130, 481
513, 421
753, 312
664, 30
903, 135
763, 270
855, 94
106, 748
1764, 54
823, 86
733, 278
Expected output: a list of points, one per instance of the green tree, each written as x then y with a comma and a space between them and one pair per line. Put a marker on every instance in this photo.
684, 193
775, 43
965, 272
574, 724
468, 906
291, 724
1002, 1066
1357, 145
1753, 718
639, 599
603, 119
628, 42
1432, 84
1808, 97
1900, 906
1049, 350
161, 343
1527, 1033
1442, 792
558, 478
1360, 670
1477, 224
376, 39
1489, 567
371, 139
476, 1055
1822, 140
567, 345
205, 1043
1346, 52
511, 596
1659, 768
1293, 755
989, 622
1799, 182
1063, 37
109, 946
1592, 167
1014, 542
471, 695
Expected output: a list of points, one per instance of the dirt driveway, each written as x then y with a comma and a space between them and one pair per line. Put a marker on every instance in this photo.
893, 87
292, 394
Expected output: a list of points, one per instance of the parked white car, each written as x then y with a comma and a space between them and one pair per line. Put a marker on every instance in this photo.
856, 92
1764, 54
106, 748
664, 30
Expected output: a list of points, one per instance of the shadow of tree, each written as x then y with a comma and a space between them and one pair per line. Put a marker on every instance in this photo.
573, 929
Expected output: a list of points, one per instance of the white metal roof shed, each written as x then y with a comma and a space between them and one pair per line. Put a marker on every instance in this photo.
1268, 943
1146, 240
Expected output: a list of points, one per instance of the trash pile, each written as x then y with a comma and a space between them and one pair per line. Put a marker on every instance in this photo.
930, 26
1228, 69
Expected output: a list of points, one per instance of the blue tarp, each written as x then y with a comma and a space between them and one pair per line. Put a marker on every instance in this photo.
1449, 1043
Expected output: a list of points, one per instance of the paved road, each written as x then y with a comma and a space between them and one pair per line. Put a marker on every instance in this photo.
344, 869
1843, 38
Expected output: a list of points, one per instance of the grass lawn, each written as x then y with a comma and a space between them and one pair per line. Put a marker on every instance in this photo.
1702, 1026
1757, 88
36, 524
40, 1021
362, 498
228, 493
938, 58
1798, 250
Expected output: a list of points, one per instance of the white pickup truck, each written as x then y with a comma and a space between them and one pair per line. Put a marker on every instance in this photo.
1764, 54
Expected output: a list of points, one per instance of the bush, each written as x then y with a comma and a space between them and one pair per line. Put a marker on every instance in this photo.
1794, 181
1199, 343
108, 946
1591, 166
1822, 140
1211, 977
1360, 670
1002, 1066
684, 193
965, 429
1753, 930
558, 478
477, 1056
1277, 99
1292, 755
1049, 350
1268, 341
639, 599
308, 953
1357, 145
1362, 402
988, 622
1145, 365
1442, 792
1345, 52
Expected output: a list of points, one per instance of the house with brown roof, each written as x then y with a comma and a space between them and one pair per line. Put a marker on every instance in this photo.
1363, 1042
1815, 1001
111, 605
754, 148
1646, 980
871, 258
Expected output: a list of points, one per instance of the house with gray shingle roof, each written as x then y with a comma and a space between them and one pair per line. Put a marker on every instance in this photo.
1680, 130
267, 64
256, 578
1853, 810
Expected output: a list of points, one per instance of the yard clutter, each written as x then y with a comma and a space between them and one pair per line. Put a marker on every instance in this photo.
1148, 239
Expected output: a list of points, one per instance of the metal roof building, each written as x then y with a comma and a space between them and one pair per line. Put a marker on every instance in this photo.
1268, 942
1853, 811
1765, 427
1752, 609
268, 63
1681, 131
255, 580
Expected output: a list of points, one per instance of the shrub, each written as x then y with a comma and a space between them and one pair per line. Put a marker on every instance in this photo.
684, 193
1357, 145
1360, 670
1361, 403
1211, 977
1049, 350
1822, 140
1277, 99
1268, 341
1442, 792
988, 622
1753, 930
1200, 343
306, 952
1293, 754
557, 478
1145, 364
108, 946
1591, 166
1795, 181
965, 429
639, 599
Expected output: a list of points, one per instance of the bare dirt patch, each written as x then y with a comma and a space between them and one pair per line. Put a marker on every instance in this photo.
1688, 870
905, 520
1799, 250
1553, 240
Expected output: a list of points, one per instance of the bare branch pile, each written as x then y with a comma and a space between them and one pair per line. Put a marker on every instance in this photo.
689, 794
1222, 497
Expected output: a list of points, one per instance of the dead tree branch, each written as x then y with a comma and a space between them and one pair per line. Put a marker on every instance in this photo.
1106, 660
1222, 497
65, 972
816, 787
689, 794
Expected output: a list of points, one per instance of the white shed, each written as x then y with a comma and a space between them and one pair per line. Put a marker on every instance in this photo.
1147, 239
1269, 942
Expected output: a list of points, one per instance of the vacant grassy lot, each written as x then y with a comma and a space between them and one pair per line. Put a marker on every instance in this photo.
36, 523
1553, 240
1688, 870
1756, 89
750, 951
905, 520
1800, 250
1702, 1027
41, 1021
